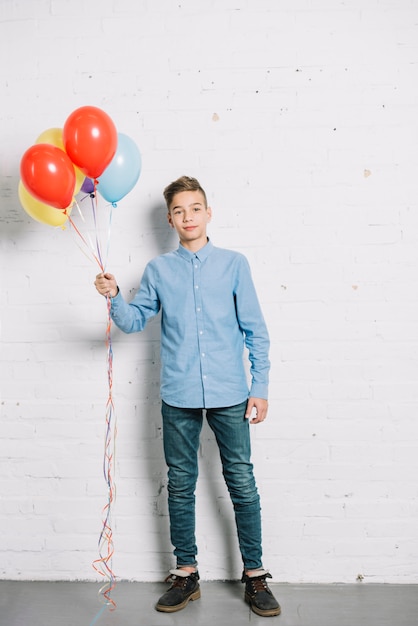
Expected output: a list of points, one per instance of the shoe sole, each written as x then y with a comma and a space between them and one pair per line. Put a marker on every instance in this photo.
172, 609
261, 612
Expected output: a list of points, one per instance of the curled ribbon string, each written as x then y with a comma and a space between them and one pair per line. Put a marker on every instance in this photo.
103, 564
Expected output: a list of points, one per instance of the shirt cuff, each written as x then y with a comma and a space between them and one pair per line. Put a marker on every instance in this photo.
259, 390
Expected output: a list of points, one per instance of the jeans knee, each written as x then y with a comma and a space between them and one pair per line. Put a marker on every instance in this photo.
243, 491
181, 483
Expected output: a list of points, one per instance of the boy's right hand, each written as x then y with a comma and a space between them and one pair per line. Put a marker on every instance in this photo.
106, 285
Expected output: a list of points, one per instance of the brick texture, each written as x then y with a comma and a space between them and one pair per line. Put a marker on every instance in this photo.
300, 120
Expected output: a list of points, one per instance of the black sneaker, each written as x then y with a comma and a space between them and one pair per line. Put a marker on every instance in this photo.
184, 587
259, 596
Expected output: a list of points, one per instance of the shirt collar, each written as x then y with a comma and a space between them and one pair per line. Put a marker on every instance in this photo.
201, 254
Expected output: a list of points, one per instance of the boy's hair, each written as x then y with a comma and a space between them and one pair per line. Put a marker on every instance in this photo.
184, 183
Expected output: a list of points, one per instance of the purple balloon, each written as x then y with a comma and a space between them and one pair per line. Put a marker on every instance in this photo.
88, 185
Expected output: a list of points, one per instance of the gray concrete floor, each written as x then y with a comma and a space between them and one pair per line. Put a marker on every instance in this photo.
222, 604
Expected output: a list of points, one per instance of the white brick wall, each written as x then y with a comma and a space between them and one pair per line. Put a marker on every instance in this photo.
300, 119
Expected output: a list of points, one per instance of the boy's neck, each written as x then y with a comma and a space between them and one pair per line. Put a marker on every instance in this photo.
195, 246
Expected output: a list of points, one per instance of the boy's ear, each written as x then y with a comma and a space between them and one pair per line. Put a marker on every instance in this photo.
170, 221
209, 211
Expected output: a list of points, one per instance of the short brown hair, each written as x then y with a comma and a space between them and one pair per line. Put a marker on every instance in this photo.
184, 183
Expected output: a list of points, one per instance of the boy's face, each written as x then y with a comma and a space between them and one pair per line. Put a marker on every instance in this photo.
189, 215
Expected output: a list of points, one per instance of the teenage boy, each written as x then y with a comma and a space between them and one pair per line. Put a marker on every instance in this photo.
209, 312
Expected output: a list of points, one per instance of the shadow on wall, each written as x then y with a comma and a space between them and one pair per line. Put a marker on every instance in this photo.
13, 219
151, 225
164, 237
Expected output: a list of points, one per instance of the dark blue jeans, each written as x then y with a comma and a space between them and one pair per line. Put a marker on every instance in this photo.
181, 435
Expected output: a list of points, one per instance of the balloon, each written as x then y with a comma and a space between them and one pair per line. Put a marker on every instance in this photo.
122, 173
48, 174
79, 179
88, 185
90, 140
39, 211
54, 137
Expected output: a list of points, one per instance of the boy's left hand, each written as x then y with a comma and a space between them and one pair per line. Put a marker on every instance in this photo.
260, 406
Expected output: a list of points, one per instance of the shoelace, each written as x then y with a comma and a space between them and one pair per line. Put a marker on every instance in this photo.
177, 581
258, 583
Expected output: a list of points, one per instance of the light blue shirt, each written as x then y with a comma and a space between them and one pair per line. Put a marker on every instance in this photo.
209, 312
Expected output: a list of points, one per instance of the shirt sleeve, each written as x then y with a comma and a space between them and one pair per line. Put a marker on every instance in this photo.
252, 324
132, 317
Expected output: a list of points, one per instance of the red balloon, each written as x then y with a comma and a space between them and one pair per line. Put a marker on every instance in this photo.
48, 174
90, 140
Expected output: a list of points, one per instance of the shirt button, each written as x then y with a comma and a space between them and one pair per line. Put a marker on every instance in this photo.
196, 287
200, 332
198, 309
203, 354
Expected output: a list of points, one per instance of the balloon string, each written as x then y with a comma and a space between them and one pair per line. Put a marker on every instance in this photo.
109, 229
88, 245
94, 206
103, 565
94, 249
112, 205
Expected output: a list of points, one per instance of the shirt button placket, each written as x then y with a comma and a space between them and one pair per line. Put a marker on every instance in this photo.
199, 319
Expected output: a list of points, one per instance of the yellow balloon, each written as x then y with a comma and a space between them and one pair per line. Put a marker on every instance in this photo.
79, 179
54, 136
40, 211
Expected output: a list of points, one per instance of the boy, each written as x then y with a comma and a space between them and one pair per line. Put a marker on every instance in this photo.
209, 311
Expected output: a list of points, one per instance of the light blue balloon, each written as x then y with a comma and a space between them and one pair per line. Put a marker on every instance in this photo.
122, 173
